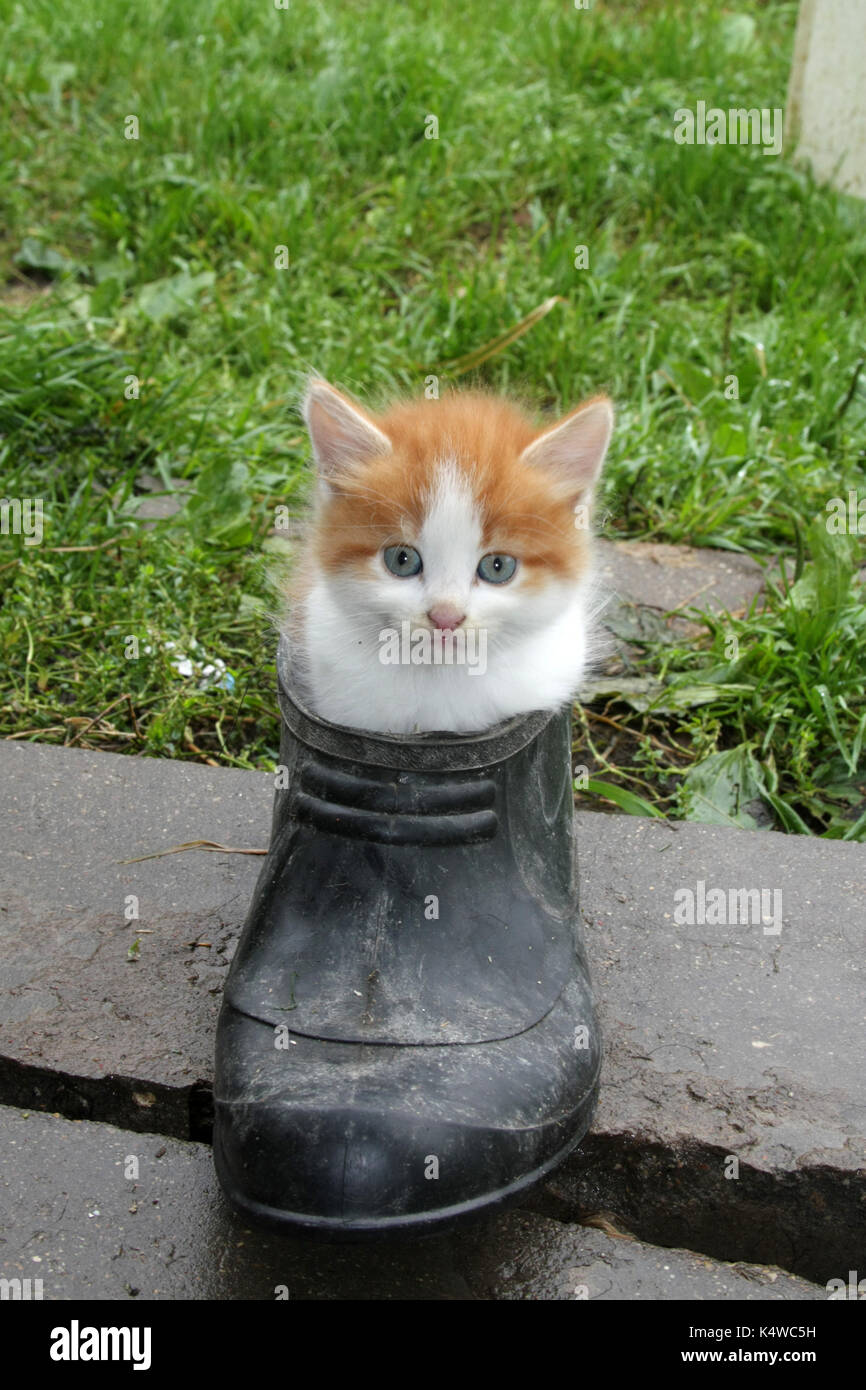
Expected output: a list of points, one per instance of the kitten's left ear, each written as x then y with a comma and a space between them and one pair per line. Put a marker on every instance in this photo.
573, 451
344, 437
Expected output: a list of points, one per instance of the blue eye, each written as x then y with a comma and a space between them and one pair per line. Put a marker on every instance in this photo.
497, 569
402, 560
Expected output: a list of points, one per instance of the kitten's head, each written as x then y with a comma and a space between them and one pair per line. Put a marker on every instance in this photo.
455, 512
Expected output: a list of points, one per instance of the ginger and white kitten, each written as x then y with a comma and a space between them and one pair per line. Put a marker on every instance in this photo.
450, 525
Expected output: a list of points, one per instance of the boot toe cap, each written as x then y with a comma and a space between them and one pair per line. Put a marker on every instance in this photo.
338, 1138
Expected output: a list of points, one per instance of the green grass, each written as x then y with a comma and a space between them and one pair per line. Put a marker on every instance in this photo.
763, 723
304, 128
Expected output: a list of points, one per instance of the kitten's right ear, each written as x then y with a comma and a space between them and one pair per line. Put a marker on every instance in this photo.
572, 452
343, 437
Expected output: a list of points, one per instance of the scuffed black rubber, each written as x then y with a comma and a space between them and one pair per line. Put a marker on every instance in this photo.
407, 1033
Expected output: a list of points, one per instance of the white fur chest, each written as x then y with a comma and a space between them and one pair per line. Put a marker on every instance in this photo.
362, 675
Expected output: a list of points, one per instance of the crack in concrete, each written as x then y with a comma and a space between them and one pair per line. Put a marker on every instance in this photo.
800, 1212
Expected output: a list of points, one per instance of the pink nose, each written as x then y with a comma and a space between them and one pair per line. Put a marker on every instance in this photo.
445, 616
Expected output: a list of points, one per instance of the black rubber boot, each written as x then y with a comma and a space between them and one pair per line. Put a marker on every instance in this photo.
407, 1033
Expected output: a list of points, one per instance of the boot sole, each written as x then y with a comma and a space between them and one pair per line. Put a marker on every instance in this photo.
417, 1224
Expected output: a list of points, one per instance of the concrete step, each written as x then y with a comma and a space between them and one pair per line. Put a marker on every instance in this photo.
733, 1110
96, 1212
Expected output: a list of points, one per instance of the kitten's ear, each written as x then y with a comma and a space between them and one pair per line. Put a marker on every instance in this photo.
343, 437
573, 451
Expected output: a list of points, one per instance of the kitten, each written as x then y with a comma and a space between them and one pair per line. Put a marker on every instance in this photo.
446, 580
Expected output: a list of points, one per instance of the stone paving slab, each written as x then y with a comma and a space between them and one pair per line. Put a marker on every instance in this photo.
722, 1041
668, 577
648, 590
76, 1213
728, 1041
523, 1256
72, 1000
